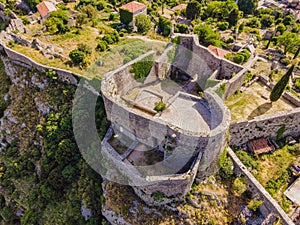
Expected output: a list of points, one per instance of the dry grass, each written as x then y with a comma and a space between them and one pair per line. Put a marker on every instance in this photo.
252, 103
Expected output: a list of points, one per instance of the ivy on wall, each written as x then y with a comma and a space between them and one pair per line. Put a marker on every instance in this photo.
125, 16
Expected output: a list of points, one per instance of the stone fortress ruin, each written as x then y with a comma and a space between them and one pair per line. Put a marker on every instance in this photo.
161, 152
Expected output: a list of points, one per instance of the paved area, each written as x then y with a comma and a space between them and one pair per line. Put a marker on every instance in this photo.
188, 114
293, 192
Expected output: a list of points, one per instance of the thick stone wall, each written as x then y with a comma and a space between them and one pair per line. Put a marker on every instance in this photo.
265, 126
234, 83
22, 60
269, 205
227, 67
151, 130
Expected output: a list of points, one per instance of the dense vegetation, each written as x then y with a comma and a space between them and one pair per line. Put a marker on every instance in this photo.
42, 173
273, 170
142, 68
5, 84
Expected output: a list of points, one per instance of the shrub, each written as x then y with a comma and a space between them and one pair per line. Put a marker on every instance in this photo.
246, 159
101, 46
246, 54
280, 132
160, 106
142, 68
297, 83
248, 77
143, 23
158, 196
223, 25
181, 28
226, 166
77, 57
238, 59
254, 204
239, 186
84, 48
108, 39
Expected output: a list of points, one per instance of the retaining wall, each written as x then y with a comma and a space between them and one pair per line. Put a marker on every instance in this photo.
22, 60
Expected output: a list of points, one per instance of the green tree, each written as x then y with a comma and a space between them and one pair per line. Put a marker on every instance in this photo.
57, 22
164, 26
281, 28
223, 25
278, 89
207, 36
193, 10
32, 3
288, 20
290, 41
233, 17
77, 57
143, 23
267, 21
247, 6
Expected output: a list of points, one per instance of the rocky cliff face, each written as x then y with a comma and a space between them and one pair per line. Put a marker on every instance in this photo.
43, 178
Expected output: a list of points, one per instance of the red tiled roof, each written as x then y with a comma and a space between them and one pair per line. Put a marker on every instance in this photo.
179, 7
260, 146
133, 6
45, 7
218, 51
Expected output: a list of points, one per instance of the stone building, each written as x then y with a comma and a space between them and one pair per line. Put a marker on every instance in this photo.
163, 151
135, 8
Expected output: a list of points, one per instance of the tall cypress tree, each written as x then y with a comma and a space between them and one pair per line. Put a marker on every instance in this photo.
281, 84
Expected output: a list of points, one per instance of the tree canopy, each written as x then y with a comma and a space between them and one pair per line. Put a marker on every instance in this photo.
143, 23
207, 36
247, 6
193, 10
